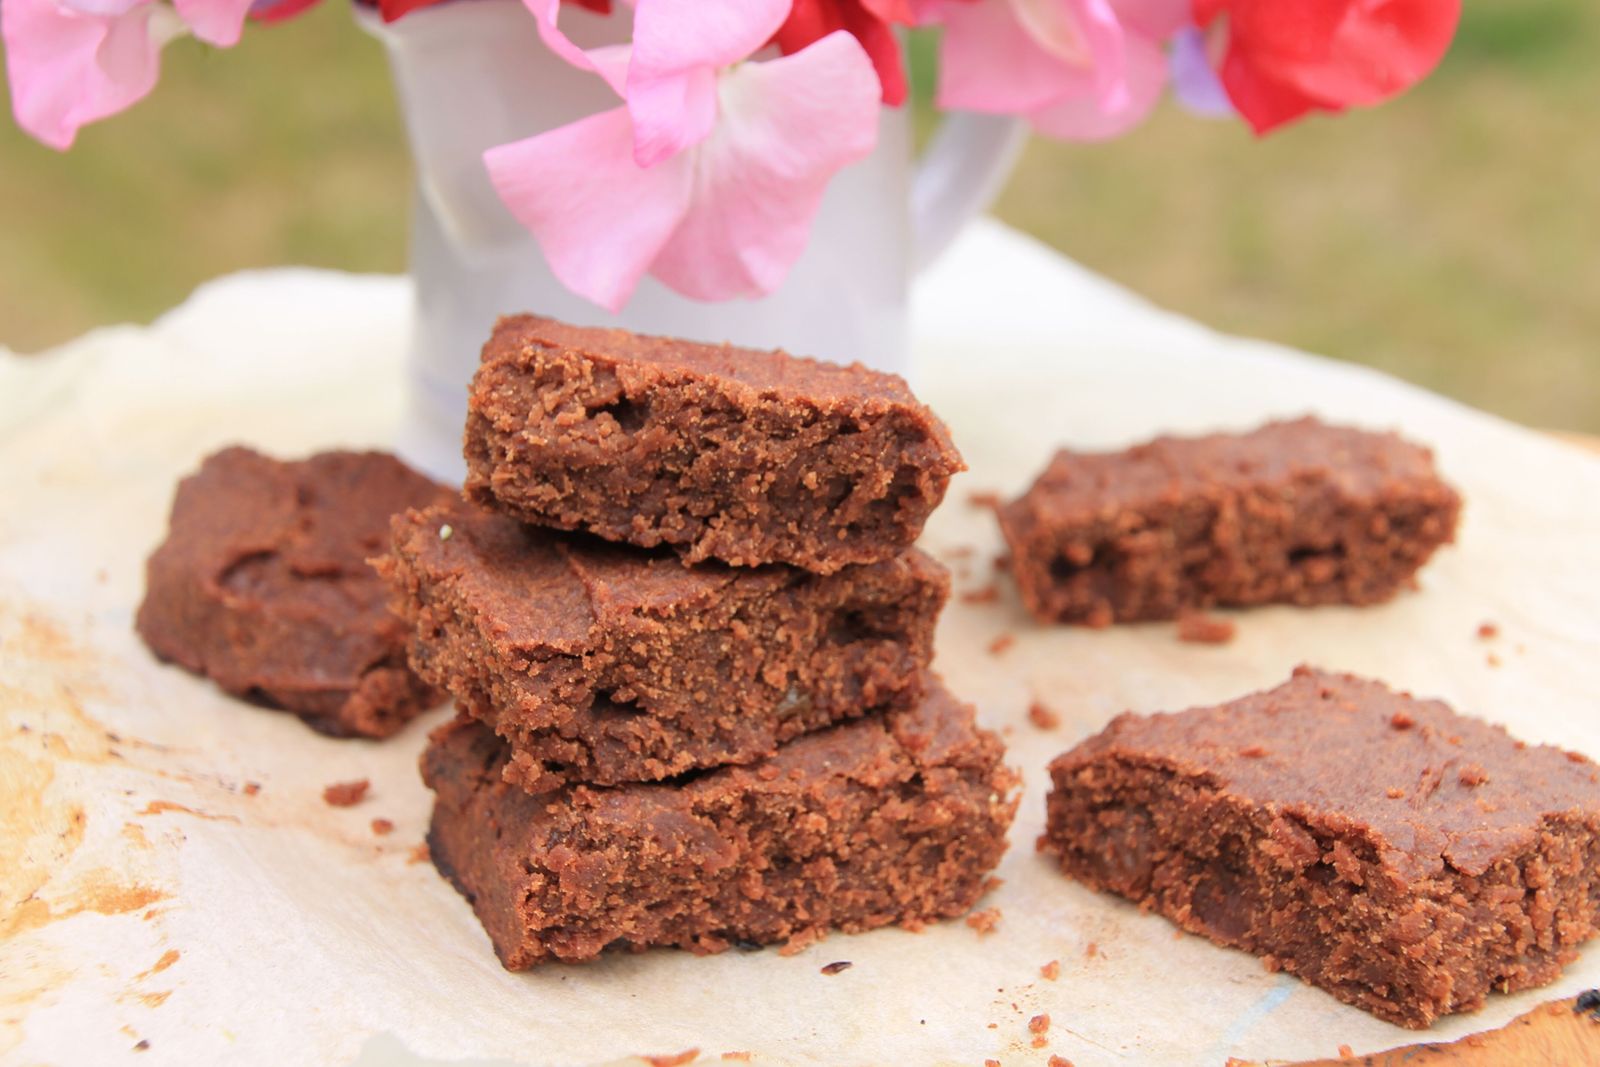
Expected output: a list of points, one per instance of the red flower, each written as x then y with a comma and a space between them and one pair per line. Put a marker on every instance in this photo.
872, 23
1286, 58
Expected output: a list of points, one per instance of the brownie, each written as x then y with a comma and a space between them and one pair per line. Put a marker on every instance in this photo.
718, 452
1403, 857
1294, 512
897, 818
605, 664
262, 585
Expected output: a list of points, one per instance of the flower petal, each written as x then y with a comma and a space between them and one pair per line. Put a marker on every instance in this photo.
989, 62
1194, 80
786, 127
811, 20
678, 47
610, 62
599, 218
216, 22
1100, 117
68, 69
1154, 19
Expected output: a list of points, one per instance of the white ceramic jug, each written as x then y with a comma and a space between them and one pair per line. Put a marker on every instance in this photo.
472, 74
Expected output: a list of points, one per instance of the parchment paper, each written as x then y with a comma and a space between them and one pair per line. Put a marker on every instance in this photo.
154, 911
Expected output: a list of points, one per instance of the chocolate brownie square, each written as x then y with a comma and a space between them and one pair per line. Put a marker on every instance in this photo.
262, 585
1294, 512
607, 664
897, 818
717, 452
1403, 857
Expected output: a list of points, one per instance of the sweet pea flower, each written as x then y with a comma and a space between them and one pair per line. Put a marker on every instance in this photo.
709, 175
71, 62
871, 22
1282, 59
1082, 70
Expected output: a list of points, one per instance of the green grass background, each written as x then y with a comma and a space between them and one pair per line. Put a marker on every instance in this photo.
1451, 237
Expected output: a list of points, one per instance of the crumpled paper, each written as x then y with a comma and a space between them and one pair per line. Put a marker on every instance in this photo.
173, 889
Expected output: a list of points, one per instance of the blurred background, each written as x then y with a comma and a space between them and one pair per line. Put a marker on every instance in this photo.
1451, 237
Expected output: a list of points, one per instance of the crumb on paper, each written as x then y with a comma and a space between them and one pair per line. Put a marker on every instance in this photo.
1091, 950
1488, 631
960, 552
984, 594
1039, 1024
742, 1057
990, 884
1059, 1061
837, 967
143, 1045
984, 921
1492, 660
252, 788
382, 827
1051, 971
1042, 716
984, 499
991, 1063
1002, 563
346, 794
1000, 645
1254, 752
1198, 628
1040, 1041
419, 853
676, 1060
1346, 1052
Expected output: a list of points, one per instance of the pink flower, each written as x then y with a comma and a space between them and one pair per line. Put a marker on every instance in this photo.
71, 62
710, 174
1078, 69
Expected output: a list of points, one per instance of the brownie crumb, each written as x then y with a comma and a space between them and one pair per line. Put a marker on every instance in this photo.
346, 794
1254, 752
986, 594
1039, 1024
1059, 1061
991, 1063
742, 1057
1395, 792
382, 827
419, 853
1197, 628
252, 788
1043, 717
142, 1046
984, 500
1401, 721
1472, 775
1488, 631
984, 921
1051, 970
1040, 1041
688, 1056
1346, 1052
1091, 950
837, 967
1002, 644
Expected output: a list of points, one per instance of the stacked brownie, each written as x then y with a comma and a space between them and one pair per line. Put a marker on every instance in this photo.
689, 638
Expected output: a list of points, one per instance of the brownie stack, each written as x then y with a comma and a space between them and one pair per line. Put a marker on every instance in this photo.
689, 639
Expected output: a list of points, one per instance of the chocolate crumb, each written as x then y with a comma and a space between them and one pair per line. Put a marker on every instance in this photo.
252, 788
1002, 563
1197, 628
1401, 721
1346, 1052
677, 1060
1395, 792
142, 1046
837, 967
1051, 970
1472, 775
984, 499
1000, 645
382, 827
346, 794
984, 921
1091, 950
1254, 752
419, 853
1488, 630
1041, 1041
991, 1063
1043, 717
1059, 1061
1039, 1024
986, 594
